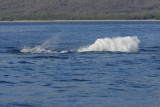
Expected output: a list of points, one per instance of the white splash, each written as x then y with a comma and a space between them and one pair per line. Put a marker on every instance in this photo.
40, 49
116, 44
44, 48
36, 49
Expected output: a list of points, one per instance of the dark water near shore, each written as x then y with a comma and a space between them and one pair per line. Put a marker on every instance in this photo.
78, 79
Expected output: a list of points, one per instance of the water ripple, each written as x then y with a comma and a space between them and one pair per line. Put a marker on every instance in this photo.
6, 82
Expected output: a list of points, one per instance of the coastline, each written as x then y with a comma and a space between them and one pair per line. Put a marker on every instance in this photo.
83, 21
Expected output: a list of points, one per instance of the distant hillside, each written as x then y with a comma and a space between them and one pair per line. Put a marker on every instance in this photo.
79, 9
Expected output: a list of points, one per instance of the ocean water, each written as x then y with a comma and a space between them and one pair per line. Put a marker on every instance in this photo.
80, 64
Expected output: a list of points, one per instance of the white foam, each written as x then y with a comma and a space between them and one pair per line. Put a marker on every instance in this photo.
116, 44
36, 49
40, 49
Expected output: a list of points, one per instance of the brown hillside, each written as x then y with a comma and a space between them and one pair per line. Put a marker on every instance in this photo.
79, 9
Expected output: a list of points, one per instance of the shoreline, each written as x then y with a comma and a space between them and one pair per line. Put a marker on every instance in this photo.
83, 21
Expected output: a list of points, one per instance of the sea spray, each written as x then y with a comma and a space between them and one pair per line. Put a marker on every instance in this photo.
51, 42
44, 48
36, 49
116, 44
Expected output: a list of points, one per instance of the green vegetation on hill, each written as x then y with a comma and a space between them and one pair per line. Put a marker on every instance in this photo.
79, 9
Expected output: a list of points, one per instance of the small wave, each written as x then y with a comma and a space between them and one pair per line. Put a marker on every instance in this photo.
50, 57
117, 44
6, 82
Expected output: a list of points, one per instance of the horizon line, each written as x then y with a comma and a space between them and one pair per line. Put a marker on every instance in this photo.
109, 20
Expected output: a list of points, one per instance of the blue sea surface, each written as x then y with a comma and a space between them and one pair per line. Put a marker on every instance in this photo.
78, 79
